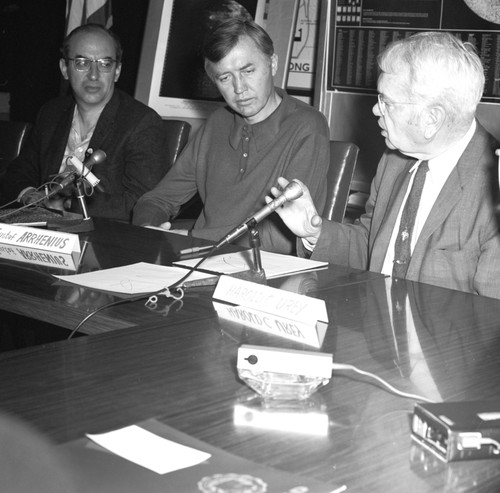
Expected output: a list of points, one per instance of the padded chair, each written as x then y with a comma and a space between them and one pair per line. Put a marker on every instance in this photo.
343, 157
177, 136
12, 137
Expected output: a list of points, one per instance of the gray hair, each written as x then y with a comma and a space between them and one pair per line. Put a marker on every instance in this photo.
440, 70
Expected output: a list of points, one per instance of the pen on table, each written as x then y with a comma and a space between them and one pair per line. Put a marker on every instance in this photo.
188, 251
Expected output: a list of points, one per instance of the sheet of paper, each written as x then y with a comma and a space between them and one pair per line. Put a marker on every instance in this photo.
132, 279
274, 264
149, 450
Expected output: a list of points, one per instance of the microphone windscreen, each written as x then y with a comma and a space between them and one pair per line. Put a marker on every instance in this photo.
96, 157
293, 191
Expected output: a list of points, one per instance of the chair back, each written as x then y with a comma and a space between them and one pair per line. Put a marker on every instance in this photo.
177, 132
12, 137
178, 135
343, 156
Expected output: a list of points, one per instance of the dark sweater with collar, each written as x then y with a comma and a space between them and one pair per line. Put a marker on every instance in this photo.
129, 132
233, 165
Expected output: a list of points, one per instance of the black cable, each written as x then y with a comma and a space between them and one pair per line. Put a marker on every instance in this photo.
174, 285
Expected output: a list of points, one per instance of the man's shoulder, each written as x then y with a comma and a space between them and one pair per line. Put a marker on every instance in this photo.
295, 108
56, 106
483, 138
127, 103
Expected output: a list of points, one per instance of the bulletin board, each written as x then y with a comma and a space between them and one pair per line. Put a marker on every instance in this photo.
360, 29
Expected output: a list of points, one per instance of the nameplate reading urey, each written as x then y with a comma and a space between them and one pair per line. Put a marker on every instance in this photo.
278, 302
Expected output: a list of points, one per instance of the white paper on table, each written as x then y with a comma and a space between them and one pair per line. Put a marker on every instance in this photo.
149, 450
133, 279
274, 264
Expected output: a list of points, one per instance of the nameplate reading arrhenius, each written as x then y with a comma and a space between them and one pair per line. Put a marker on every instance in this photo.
27, 241
290, 315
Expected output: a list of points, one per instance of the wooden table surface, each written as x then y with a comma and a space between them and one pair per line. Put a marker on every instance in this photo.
184, 374
182, 371
33, 291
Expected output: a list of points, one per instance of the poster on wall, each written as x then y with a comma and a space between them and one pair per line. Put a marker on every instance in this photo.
302, 66
360, 29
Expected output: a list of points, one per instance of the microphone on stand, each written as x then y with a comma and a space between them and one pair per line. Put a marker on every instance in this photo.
83, 169
76, 169
291, 192
78, 173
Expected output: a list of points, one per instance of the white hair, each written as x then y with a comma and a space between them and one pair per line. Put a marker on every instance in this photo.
439, 69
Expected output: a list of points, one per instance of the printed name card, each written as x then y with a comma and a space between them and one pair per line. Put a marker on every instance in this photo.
275, 311
39, 246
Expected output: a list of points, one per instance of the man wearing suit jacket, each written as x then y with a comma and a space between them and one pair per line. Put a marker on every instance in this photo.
95, 116
429, 87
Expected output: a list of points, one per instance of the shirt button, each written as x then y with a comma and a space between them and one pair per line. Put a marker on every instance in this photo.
242, 170
247, 138
245, 154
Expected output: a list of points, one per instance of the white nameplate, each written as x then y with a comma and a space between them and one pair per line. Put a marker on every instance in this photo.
38, 257
282, 304
309, 334
41, 239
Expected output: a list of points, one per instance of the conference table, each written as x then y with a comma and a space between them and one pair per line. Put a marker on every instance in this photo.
176, 364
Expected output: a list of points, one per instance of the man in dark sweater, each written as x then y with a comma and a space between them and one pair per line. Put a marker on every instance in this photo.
237, 155
96, 116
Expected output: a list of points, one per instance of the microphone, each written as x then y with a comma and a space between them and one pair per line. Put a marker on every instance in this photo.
83, 169
291, 192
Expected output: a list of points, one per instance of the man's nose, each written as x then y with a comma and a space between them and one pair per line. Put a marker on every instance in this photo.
239, 85
93, 71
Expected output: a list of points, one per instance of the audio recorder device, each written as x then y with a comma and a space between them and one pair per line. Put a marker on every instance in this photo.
456, 431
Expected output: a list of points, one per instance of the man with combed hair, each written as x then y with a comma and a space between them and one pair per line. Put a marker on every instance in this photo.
429, 87
242, 149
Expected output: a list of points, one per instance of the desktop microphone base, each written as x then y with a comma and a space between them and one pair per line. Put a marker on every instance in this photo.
72, 225
258, 277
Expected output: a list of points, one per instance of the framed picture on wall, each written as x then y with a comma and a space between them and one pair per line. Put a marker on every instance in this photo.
172, 78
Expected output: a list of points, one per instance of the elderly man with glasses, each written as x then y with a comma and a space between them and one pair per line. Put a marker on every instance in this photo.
97, 116
430, 216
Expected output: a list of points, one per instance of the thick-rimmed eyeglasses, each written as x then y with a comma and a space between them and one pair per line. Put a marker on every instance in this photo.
83, 64
384, 103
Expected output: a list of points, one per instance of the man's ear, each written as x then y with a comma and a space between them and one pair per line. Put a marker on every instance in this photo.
63, 67
434, 120
118, 71
274, 64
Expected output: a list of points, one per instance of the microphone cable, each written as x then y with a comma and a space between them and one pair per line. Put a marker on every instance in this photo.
45, 186
151, 296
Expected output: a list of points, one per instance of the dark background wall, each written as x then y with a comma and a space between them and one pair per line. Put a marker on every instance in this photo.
31, 32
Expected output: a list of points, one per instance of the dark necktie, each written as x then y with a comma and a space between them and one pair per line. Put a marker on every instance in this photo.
402, 247
402, 255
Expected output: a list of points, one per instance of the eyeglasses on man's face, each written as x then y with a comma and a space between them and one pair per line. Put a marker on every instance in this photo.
385, 104
83, 64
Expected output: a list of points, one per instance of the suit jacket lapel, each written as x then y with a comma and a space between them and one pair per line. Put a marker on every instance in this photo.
105, 124
58, 142
452, 190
